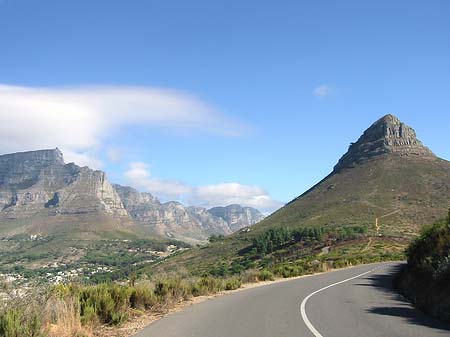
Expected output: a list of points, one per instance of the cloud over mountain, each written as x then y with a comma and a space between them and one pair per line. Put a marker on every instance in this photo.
139, 176
79, 120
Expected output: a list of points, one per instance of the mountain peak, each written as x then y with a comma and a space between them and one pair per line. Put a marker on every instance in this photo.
388, 119
386, 135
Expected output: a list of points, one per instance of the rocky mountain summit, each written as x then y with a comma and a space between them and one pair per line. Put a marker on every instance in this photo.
41, 194
387, 135
387, 173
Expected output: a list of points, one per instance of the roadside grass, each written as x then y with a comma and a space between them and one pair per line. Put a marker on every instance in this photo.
78, 310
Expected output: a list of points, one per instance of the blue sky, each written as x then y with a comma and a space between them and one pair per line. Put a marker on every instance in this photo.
211, 102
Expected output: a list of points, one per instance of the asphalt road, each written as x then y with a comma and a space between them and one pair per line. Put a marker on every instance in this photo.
361, 306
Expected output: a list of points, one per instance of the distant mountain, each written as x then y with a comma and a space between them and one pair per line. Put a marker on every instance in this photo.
40, 194
171, 219
236, 216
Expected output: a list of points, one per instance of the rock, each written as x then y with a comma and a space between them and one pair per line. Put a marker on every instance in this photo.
387, 135
171, 218
39, 192
236, 216
37, 188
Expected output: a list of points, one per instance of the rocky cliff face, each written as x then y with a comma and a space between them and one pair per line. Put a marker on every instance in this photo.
388, 135
171, 218
40, 193
236, 216
40, 183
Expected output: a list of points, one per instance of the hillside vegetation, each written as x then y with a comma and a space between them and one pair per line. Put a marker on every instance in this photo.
76, 310
426, 279
412, 191
369, 208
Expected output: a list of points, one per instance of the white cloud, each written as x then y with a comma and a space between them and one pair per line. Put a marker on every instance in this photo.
322, 91
233, 193
114, 154
85, 158
80, 120
139, 176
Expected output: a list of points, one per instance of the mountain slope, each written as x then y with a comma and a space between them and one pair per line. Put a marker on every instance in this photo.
387, 178
387, 170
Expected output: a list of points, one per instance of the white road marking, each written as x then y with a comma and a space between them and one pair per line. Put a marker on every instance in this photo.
303, 305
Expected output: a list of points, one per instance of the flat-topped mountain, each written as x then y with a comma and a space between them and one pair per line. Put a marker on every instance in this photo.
41, 194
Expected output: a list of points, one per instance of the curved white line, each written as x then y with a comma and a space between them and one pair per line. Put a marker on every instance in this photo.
303, 305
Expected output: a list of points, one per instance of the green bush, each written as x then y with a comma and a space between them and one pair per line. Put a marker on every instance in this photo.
232, 283
288, 270
18, 323
426, 278
108, 303
172, 289
265, 275
143, 297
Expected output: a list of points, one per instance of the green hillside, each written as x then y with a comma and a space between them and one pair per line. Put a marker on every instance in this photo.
386, 179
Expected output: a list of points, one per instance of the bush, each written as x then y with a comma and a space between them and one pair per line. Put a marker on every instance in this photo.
250, 276
106, 302
232, 283
288, 270
143, 297
426, 278
172, 290
18, 323
265, 275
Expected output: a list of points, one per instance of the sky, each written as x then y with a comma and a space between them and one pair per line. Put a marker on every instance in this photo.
219, 102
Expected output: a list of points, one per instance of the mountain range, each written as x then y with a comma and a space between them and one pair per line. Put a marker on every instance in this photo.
42, 195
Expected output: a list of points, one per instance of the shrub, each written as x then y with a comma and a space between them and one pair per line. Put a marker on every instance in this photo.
172, 289
250, 276
106, 302
143, 297
288, 270
232, 283
265, 275
17, 323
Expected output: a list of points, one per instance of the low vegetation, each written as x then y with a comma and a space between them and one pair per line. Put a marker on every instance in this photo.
77, 307
77, 310
285, 253
426, 278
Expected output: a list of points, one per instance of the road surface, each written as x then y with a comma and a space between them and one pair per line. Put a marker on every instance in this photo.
353, 302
